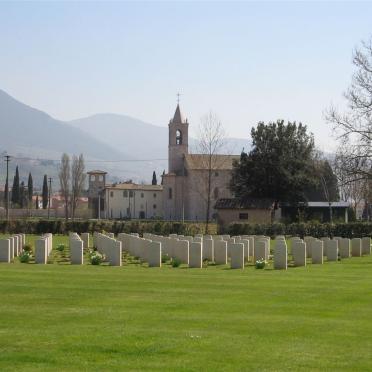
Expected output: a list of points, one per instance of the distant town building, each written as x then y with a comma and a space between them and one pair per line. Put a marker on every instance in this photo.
130, 200
96, 186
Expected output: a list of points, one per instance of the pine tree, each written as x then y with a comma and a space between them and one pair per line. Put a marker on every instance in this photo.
45, 192
15, 188
30, 189
37, 202
154, 179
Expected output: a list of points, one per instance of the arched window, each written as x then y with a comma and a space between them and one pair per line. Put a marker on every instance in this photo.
178, 137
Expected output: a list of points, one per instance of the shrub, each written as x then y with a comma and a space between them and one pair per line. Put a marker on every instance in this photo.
164, 258
27, 248
96, 258
176, 262
316, 229
25, 257
260, 264
61, 247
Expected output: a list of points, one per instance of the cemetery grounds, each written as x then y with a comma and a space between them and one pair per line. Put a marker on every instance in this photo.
73, 318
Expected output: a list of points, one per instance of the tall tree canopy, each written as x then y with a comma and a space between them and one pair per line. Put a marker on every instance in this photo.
326, 183
15, 188
154, 179
279, 166
30, 189
45, 192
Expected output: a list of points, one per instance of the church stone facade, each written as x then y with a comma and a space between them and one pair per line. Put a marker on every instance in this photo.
186, 183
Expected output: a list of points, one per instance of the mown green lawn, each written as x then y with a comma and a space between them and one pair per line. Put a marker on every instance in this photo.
63, 317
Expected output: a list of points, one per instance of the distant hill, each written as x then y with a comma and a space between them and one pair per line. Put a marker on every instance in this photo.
142, 140
36, 141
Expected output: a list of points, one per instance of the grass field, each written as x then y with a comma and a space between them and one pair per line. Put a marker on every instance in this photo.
63, 317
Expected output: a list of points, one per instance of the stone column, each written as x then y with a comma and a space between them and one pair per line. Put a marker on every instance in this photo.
76, 251
299, 253
220, 252
85, 239
208, 249
237, 255
41, 251
260, 250
154, 254
317, 252
332, 250
344, 247
5, 255
280, 255
195, 259
366, 245
356, 247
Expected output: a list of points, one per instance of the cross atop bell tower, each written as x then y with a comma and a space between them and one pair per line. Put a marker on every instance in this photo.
178, 140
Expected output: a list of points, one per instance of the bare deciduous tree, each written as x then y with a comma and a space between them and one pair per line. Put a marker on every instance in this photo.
77, 180
210, 143
354, 127
64, 180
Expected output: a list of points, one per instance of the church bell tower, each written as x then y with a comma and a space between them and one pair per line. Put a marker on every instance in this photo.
178, 144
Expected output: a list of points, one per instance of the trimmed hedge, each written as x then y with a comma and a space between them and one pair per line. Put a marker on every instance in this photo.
345, 230
63, 227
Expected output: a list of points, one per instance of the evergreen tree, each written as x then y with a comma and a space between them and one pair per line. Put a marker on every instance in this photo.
15, 189
30, 189
5, 192
154, 179
45, 192
279, 166
22, 196
37, 202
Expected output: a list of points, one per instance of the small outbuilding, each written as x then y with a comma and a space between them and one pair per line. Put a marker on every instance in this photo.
235, 210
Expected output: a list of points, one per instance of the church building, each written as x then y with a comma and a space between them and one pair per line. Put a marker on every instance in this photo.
185, 186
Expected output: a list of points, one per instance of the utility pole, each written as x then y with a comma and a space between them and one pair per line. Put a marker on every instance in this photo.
7, 159
49, 192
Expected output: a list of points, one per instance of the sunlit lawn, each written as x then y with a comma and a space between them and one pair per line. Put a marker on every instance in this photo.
63, 317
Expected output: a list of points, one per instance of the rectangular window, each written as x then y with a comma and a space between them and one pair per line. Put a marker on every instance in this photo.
142, 194
131, 193
125, 193
243, 216
111, 194
170, 193
154, 206
154, 196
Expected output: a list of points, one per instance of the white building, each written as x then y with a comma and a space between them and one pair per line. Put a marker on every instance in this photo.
130, 200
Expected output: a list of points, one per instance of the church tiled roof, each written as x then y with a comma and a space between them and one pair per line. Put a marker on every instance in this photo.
201, 161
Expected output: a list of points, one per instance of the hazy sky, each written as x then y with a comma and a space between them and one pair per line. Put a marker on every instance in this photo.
245, 61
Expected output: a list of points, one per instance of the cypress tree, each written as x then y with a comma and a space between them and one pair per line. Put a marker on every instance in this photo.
22, 195
15, 188
30, 188
5, 192
37, 202
45, 192
154, 179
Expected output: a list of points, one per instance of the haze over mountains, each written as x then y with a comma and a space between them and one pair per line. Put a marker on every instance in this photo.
126, 147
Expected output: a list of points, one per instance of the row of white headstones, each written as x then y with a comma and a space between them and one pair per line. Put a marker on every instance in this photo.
192, 251
11, 247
